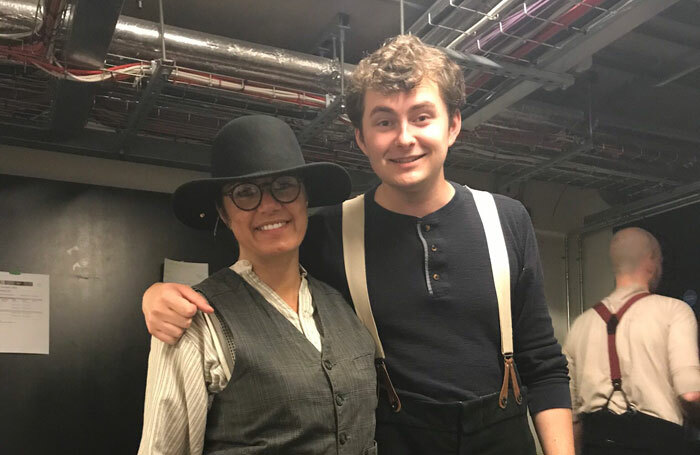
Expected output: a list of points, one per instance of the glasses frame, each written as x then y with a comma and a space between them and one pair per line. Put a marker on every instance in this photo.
261, 188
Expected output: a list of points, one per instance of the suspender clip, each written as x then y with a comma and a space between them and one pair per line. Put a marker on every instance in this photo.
617, 384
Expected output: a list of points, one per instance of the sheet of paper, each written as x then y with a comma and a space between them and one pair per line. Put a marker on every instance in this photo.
24, 313
184, 272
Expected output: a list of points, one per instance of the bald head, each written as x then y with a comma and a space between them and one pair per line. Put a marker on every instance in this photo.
631, 248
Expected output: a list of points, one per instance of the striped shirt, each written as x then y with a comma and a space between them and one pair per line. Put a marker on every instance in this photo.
183, 379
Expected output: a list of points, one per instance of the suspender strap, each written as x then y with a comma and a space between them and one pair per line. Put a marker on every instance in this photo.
500, 269
356, 274
612, 321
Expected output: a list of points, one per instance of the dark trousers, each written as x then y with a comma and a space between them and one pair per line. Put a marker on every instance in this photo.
605, 433
477, 427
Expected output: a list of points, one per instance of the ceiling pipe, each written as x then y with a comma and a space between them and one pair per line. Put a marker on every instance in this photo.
140, 39
19, 17
137, 38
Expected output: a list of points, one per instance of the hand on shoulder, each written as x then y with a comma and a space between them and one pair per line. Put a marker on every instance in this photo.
168, 309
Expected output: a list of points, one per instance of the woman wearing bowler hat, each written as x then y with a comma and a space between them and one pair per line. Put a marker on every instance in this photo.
282, 366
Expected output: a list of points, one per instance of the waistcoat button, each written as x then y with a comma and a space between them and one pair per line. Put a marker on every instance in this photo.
339, 400
328, 364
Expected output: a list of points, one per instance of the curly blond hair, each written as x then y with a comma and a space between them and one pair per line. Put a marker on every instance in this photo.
402, 63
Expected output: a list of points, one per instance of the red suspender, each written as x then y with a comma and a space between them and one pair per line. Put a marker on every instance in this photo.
612, 320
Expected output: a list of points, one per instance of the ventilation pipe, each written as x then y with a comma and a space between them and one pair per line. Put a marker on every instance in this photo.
137, 38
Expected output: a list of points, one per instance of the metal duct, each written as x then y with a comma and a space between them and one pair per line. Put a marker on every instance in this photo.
19, 16
138, 38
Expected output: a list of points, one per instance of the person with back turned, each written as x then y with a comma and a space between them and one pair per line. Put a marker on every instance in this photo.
633, 359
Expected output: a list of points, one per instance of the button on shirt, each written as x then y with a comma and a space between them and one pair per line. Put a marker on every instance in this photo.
658, 350
182, 379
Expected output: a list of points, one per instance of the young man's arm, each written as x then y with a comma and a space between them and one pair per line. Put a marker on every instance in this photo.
554, 431
569, 347
169, 308
538, 356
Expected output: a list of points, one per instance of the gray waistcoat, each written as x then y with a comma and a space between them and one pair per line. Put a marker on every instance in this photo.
284, 397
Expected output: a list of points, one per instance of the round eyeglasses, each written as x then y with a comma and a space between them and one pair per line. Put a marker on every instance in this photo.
248, 195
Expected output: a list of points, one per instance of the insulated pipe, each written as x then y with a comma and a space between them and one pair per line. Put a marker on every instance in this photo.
19, 16
137, 38
140, 39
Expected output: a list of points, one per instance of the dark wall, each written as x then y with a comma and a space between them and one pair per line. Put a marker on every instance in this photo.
86, 396
678, 232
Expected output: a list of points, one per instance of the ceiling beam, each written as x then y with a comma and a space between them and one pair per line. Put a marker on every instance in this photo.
548, 79
557, 113
529, 173
649, 206
100, 144
599, 35
146, 150
321, 121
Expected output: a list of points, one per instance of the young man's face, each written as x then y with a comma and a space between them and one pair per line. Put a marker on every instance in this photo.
406, 135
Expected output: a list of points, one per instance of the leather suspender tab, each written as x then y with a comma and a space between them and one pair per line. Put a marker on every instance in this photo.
384, 381
509, 376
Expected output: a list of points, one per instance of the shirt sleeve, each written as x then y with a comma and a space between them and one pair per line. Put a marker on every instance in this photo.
180, 380
538, 355
683, 350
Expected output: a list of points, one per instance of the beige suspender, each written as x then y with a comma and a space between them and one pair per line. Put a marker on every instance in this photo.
500, 268
356, 274
355, 271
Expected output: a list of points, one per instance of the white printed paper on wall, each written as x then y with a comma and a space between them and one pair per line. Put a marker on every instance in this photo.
24, 313
189, 273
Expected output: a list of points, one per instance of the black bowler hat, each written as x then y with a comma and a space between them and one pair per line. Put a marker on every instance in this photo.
250, 147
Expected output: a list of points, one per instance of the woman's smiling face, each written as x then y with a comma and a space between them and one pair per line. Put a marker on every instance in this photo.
273, 228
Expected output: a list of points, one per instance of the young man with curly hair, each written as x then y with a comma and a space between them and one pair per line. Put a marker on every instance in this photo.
429, 275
